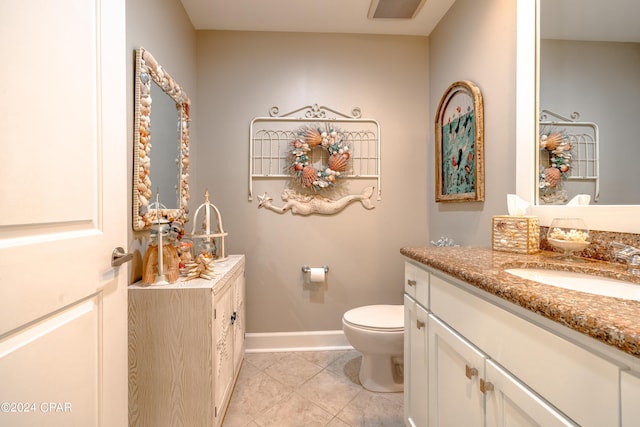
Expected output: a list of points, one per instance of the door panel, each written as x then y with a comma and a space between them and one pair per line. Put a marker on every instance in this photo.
63, 210
52, 375
49, 112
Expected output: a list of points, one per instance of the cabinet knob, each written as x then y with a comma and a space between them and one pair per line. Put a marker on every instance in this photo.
470, 372
485, 386
234, 316
419, 324
411, 282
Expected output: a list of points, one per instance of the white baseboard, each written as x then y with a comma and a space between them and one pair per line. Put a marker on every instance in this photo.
296, 341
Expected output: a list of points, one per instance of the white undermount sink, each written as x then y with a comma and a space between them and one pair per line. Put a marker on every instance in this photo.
580, 282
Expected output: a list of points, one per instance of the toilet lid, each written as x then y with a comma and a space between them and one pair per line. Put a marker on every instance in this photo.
388, 317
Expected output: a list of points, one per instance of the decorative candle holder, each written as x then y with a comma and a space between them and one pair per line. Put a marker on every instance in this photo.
160, 263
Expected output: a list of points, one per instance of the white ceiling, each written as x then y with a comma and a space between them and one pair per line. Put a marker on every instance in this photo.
323, 16
613, 20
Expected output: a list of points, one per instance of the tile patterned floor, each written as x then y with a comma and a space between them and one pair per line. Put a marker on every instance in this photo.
307, 389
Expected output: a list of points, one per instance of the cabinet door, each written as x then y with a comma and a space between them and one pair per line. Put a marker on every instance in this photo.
239, 321
222, 349
630, 397
509, 403
415, 364
455, 369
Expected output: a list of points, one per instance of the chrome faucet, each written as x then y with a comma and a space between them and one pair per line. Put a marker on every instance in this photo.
628, 254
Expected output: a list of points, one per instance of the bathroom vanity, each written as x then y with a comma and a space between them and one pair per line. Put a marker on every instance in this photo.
186, 345
484, 347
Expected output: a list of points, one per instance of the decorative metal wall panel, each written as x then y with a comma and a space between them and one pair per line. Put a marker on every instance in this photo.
271, 138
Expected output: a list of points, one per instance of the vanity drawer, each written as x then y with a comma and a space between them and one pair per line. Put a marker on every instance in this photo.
416, 283
576, 381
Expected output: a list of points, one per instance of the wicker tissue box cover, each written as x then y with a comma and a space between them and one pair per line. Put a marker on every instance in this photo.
519, 234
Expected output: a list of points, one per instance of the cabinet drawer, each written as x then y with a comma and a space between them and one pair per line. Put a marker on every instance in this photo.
579, 383
416, 283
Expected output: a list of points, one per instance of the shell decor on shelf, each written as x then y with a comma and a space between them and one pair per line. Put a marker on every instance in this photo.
151, 265
202, 267
160, 264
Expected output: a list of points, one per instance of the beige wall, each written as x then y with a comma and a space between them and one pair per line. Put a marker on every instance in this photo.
164, 29
397, 80
241, 75
476, 41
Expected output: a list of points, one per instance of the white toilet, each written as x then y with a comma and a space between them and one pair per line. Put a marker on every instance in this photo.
377, 331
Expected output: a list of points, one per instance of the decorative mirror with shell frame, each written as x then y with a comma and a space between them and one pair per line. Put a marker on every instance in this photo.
145, 212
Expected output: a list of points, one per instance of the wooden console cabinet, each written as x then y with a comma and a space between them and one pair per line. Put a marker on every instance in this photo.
186, 345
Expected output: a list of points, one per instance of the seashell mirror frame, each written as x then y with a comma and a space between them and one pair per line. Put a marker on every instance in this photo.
148, 69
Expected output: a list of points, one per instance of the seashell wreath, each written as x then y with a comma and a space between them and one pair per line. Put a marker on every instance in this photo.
302, 169
558, 147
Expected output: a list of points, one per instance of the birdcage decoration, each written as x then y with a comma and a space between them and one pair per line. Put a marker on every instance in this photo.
209, 240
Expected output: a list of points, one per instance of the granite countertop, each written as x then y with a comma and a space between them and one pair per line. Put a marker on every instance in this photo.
613, 321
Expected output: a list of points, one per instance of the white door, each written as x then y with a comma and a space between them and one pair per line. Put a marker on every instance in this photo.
63, 189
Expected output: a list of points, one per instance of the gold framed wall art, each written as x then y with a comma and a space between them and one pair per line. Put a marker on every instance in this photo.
459, 131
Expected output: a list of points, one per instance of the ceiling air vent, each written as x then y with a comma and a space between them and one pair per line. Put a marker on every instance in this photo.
394, 9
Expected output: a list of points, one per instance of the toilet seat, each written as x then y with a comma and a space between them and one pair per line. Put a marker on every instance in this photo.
383, 318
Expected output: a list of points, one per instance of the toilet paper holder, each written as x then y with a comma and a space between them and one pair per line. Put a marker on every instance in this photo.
307, 269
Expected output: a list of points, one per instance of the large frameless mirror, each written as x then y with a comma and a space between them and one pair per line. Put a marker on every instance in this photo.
589, 99
598, 216
161, 145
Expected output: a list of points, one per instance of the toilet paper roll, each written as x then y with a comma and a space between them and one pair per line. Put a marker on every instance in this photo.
316, 275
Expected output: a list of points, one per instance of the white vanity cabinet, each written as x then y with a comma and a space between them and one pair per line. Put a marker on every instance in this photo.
186, 344
470, 389
493, 363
